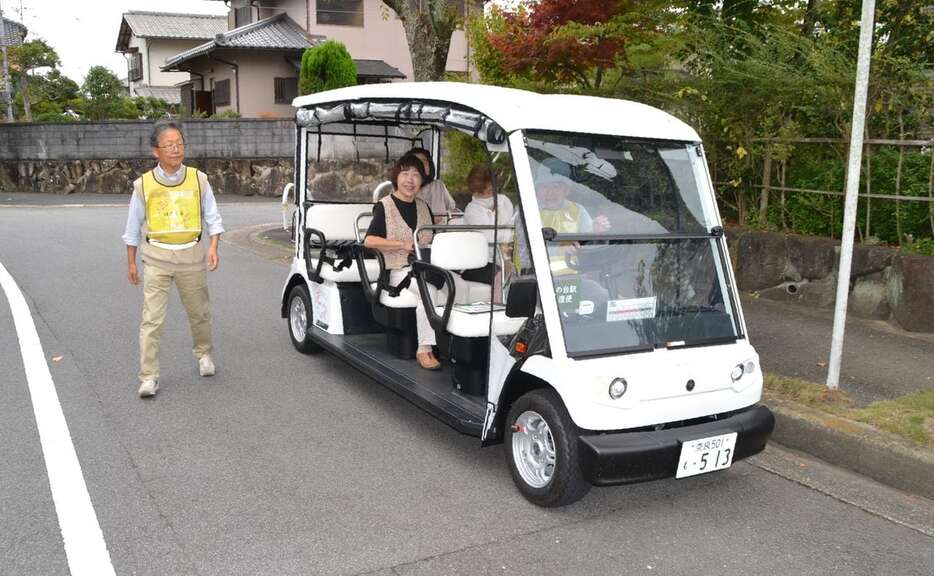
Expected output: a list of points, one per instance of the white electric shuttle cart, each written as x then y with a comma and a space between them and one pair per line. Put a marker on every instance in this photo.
605, 344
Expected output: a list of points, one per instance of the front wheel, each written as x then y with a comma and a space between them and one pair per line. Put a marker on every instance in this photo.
542, 452
300, 316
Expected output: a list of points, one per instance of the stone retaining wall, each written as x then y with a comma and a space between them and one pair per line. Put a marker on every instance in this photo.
243, 176
129, 139
884, 283
246, 156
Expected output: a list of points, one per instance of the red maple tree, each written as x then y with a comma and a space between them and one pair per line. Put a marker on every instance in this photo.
564, 41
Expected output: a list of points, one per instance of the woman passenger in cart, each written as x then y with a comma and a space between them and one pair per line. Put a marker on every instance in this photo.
392, 232
483, 211
433, 191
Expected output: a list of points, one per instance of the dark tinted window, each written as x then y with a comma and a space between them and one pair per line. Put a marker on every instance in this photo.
340, 12
222, 93
286, 90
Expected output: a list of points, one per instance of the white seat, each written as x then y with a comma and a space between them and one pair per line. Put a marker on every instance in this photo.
459, 250
338, 222
405, 299
466, 250
476, 325
349, 274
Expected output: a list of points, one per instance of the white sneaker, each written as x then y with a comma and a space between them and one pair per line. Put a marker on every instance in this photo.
148, 388
206, 365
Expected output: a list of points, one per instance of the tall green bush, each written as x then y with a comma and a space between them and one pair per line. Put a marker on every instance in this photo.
325, 67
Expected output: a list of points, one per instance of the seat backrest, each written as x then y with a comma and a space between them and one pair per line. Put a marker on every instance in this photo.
382, 189
363, 224
336, 221
459, 250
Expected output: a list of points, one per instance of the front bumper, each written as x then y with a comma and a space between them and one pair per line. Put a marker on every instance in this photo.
627, 457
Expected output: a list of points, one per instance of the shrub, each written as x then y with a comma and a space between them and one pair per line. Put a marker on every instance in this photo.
325, 67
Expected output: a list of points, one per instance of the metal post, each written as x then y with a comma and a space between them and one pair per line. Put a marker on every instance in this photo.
6, 69
852, 191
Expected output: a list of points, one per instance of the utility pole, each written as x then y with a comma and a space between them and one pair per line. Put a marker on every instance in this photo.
6, 68
867, 23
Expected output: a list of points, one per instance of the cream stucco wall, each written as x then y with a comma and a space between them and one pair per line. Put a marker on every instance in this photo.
161, 50
296, 10
154, 53
382, 37
257, 71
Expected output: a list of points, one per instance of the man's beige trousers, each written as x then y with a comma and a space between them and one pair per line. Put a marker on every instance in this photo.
193, 290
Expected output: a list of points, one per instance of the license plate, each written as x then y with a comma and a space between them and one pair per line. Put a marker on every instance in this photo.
706, 455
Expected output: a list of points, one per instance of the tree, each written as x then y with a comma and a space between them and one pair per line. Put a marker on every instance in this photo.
575, 43
325, 67
26, 58
153, 108
55, 97
105, 96
428, 26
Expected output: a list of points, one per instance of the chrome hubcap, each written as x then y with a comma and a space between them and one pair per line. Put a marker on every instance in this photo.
533, 449
298, 318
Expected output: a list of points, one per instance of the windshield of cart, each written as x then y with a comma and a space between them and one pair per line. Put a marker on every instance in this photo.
633, 243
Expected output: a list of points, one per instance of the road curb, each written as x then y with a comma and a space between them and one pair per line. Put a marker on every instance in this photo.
853, 445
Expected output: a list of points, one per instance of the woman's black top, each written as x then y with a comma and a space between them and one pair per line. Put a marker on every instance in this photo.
407, 209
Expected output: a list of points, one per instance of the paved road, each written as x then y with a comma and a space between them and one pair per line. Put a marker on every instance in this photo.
286, 464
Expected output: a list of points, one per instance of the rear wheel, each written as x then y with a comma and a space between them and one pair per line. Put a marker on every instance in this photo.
300, 318
542, 452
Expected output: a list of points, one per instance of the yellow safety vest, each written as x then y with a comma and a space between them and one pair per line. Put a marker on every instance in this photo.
173, 213
565, 220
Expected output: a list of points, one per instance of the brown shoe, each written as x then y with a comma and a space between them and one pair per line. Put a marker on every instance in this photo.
427, 361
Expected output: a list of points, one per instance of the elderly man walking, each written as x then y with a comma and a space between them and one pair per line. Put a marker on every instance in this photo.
171, 207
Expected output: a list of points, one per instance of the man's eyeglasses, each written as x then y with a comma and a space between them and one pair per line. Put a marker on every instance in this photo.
173, 146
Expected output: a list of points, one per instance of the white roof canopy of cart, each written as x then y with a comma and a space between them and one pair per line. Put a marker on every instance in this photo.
508, 108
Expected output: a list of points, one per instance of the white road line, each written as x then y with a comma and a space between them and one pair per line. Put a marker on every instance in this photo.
84, 542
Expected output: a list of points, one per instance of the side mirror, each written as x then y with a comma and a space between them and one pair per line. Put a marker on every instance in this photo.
522, 297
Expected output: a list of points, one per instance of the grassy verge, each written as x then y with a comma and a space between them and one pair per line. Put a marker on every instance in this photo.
911, 416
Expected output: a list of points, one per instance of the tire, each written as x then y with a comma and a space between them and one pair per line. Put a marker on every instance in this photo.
299, 320
542, 451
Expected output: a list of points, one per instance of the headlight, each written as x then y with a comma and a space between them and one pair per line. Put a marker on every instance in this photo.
737, 372
750, 367
617, 388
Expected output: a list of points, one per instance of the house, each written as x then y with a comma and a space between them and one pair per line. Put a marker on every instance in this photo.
11, 34
147, 39
252, 68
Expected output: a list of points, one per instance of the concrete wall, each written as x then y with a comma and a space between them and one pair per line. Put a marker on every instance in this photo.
130, 139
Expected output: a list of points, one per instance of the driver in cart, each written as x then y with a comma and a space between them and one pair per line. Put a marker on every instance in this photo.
552, 187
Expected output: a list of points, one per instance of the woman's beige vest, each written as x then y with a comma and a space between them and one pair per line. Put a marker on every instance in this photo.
397, 229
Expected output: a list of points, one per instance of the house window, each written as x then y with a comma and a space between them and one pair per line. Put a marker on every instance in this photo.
136, 67
222, 93
340, 12
286, 90
243, 16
